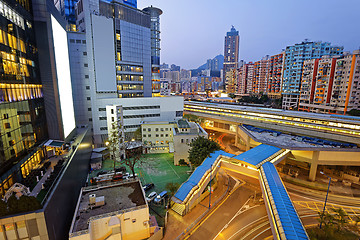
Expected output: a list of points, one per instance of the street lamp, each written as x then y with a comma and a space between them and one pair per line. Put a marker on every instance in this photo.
210, 186
327, 193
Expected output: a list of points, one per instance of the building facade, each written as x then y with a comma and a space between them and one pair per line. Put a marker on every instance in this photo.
134, 112
330, 84
155, 48
157, 137
295, 55
184, 133
231, 81
274, 76
260, 76
231, 50
100, 79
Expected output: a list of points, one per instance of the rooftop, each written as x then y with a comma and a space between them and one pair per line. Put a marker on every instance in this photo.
294, 142
183, 123
257, 154
121, 196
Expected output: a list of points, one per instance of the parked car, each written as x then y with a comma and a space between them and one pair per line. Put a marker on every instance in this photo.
160, 197
151, 196
148, 186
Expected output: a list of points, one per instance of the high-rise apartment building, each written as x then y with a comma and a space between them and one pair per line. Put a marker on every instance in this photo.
295, 55
155, 48
331, 84
231, 80
274, 76
231, 51
245, 79
260, 75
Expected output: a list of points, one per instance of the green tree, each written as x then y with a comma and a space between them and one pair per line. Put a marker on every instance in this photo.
28, 203
12, 204
231, 95
193, 118
200, 149
3, 208
357, 219
354, 112
172, 188
132, 159
138, 134
116, 142
340, 217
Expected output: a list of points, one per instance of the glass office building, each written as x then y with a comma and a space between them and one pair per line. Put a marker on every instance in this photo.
22, 113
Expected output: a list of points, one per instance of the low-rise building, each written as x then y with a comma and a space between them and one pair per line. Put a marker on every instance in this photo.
184, 133
131, 112
157, 137
115, 211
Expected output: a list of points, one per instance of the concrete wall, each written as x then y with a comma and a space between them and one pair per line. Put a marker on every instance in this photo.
60, 207
181, 145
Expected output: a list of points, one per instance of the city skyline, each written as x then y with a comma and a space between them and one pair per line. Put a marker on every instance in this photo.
258, 36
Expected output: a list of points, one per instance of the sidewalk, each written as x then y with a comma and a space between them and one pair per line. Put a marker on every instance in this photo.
177, 224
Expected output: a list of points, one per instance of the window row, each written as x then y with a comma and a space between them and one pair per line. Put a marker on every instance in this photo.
11, 15
127, 77
156, 129
141, 116
129, 87
129, 68
11, 41
19, 92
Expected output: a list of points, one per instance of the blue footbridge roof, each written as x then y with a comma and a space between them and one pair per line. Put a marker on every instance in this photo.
281, 204
198, 174
258, 154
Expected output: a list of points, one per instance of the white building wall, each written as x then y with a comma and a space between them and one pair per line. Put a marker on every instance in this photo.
79, 68
170, 109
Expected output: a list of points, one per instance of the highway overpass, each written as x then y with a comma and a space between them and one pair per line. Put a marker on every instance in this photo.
314, 139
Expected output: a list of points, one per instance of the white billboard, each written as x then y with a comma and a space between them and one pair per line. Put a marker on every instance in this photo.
63, 76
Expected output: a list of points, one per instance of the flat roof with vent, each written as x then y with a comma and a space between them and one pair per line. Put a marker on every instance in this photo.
120, 196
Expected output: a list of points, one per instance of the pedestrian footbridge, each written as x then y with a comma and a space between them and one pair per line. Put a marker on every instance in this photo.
258, 162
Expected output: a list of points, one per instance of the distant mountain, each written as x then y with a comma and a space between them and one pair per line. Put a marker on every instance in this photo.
219, 58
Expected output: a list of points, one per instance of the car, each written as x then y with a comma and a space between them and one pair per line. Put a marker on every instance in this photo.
160, 197
148, 186
151, 196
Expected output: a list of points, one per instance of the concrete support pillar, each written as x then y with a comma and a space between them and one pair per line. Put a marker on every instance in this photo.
313, 167
236, 138
247, 143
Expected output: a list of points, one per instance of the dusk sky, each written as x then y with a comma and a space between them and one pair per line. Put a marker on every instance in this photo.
193, 31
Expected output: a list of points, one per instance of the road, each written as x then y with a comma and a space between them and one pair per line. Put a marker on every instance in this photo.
226, 141
223, 213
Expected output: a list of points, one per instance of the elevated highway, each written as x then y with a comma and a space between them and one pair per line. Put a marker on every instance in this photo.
328, 126
314, 139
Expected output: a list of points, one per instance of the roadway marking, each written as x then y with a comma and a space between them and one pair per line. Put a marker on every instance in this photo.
248, 226
252, 230
212, 211
267, 229
236, 214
